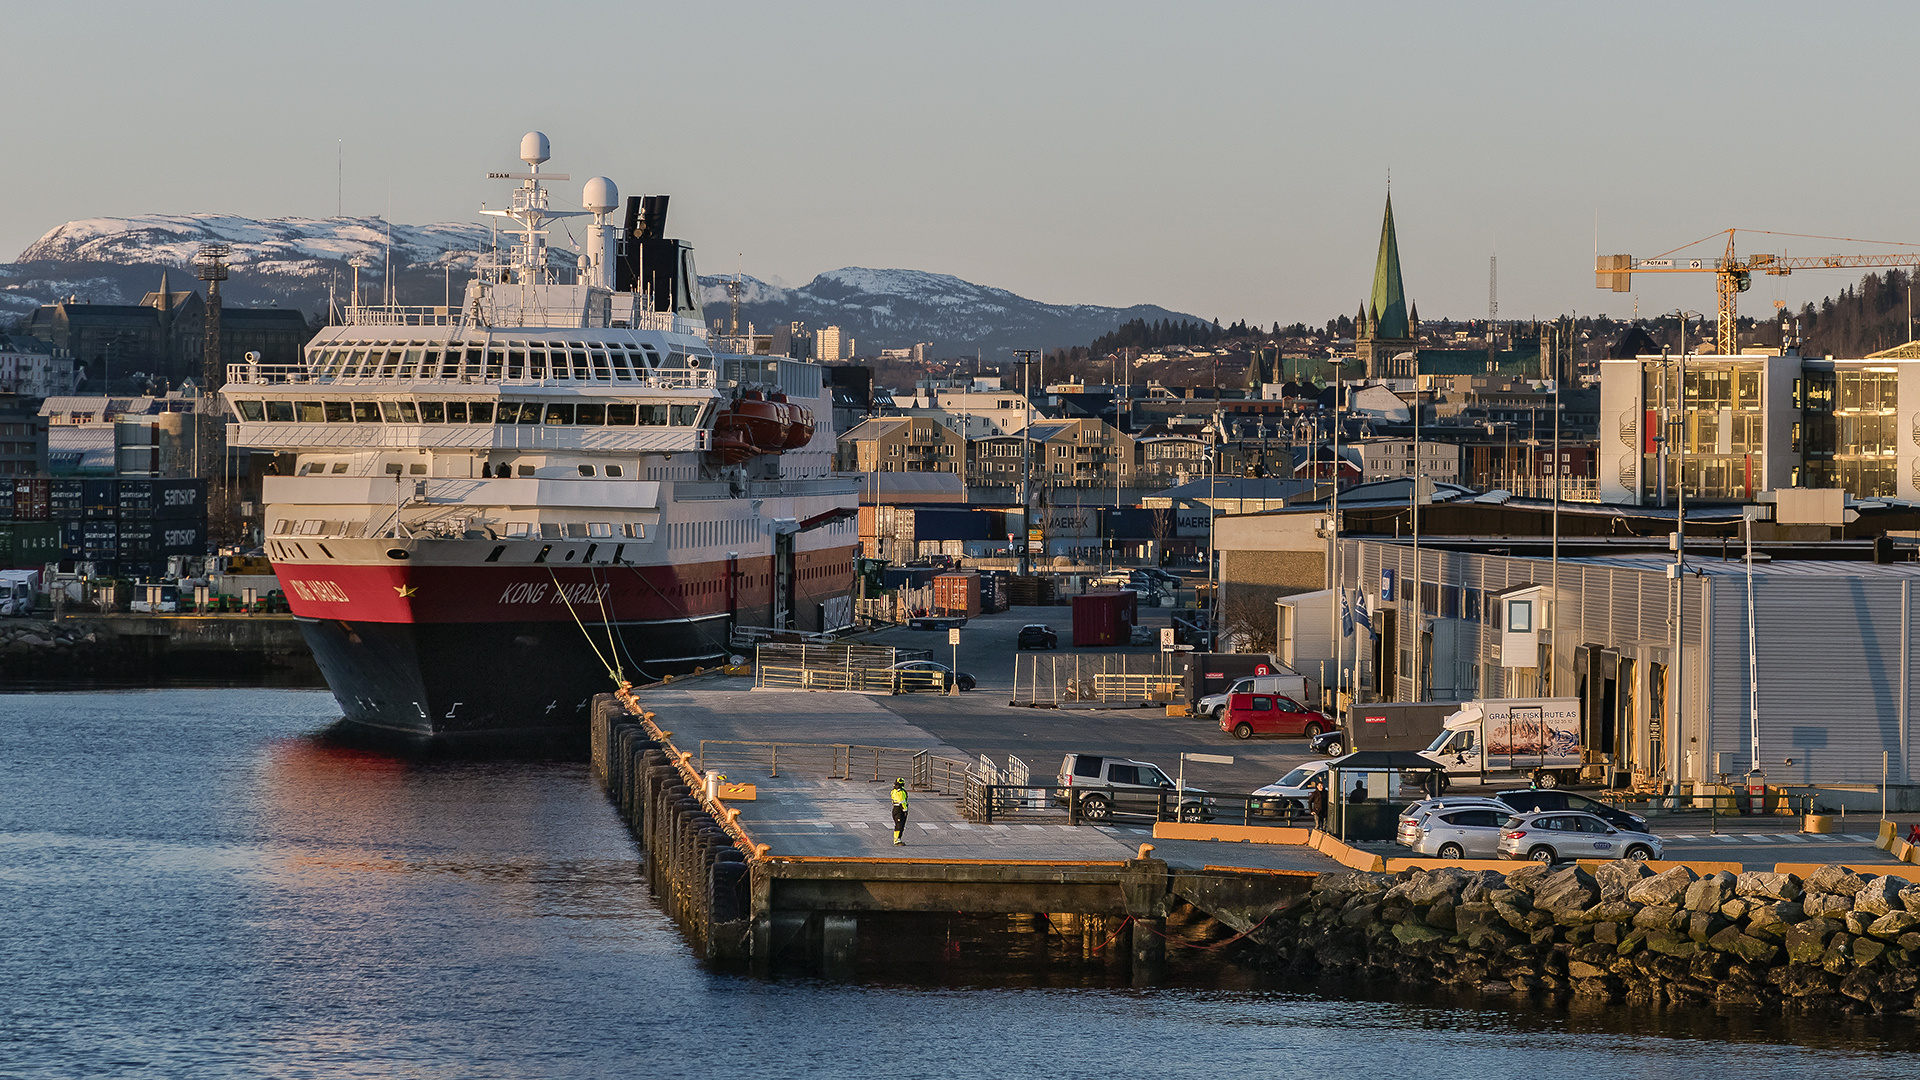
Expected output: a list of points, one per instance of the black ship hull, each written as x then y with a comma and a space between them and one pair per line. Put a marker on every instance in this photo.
457, 681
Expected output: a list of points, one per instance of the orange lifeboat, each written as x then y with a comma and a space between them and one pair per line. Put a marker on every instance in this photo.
751, 425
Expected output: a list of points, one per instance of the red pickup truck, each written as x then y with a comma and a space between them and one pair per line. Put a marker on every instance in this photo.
1247, 715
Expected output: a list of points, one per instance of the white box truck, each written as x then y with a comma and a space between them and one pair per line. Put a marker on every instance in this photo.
1535, 740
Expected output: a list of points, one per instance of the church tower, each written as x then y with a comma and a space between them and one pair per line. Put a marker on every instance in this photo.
1387, 330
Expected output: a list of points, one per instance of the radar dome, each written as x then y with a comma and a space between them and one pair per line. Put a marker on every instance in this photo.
534, 148
601, 196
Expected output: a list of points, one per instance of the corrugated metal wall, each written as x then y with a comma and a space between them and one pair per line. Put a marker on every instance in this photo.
1836, 677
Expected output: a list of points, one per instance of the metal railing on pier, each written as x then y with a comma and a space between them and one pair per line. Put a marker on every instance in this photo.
1114, 679
832, 761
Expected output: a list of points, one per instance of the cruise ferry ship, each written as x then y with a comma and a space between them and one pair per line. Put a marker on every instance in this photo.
495, 510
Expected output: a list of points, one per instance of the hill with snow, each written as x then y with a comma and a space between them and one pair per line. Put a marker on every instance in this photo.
294, 262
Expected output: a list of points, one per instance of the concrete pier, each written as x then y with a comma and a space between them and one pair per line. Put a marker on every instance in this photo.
817, 845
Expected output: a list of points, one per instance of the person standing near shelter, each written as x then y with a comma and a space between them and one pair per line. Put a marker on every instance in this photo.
1317, 804
899, 809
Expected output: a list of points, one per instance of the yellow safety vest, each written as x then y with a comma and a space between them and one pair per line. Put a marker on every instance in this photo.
900, 798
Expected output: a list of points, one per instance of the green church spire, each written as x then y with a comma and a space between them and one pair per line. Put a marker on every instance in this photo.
1389, 299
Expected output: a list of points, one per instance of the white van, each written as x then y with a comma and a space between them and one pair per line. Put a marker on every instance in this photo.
1293, 686
17, 591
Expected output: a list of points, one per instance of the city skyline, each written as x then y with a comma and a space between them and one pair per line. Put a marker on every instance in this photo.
1227, 160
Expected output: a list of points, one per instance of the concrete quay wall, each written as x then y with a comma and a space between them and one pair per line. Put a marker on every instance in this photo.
1620, 931
152, 646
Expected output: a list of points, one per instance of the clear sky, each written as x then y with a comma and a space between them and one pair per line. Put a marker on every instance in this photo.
1224, 159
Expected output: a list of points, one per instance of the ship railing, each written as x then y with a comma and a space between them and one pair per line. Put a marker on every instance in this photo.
396, 315
276, 374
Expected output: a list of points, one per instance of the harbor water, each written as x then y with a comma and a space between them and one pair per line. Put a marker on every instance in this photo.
203, 882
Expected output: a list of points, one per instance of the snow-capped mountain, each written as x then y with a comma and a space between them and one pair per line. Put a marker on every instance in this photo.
890, 309
297, 262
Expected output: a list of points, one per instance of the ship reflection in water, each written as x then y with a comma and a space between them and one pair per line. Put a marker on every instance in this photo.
200, 882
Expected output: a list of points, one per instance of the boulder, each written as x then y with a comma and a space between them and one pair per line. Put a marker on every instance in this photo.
1826, 905
1608, 933
1351, 881
1566, 894
1431, 886
1804, 980
1892, 925
1440, 915
1879, 895
1749, 949
1702, 925
1764, 885
1864, 951
1613, 911
1671, 943
1580, 969
1617, 877
1835, 879
1658, 917
1774, 919
1708, 893
1664, 888
1632, 942
1481, 884
1735, 910
1857, 922
1838, 957
1528, 876
1807, 941
1410, 934
1910, 899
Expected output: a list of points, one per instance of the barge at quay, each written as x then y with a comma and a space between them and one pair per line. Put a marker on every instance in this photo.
497, 508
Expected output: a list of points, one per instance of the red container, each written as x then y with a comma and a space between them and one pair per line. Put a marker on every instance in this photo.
957, 594
1104, 618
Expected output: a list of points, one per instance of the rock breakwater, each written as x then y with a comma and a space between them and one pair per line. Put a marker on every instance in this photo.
1617, 931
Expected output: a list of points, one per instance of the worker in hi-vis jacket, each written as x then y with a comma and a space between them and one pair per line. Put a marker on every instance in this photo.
899, 809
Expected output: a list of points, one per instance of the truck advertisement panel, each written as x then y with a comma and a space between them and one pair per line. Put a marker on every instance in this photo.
1536, 737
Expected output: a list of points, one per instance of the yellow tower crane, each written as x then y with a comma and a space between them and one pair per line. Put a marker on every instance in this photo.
1733, 274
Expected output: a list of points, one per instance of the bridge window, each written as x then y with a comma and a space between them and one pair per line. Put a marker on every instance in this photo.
251, 410
280, 412
593, 415
433, 412
619, 415
479, 412
559, 414
339, 412
366, 412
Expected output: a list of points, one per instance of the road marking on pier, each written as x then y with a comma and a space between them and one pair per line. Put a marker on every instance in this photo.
1684, 836
1727, 839
930, 828
1858, 839
1036, 828
961, 825
1759, 839
856, 825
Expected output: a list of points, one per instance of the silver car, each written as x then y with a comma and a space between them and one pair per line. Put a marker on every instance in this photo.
1553, 835
1471, 832
1415, 815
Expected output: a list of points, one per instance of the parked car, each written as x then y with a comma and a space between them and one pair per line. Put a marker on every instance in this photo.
1332, 743
1104, 786
1214, 706
1411, 818
937, 671
1248, 715
1533, 800
1560, 834
1038, 636
1289, 793
1463, 832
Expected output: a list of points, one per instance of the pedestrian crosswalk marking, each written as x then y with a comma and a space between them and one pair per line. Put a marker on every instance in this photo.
856, 825
1757, 838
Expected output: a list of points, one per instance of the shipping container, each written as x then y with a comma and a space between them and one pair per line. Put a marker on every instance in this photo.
98, 492
181, 538
31, 499
180, 499
1104, 618
957, 594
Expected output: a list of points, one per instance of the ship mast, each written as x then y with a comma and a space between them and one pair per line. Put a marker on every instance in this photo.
528, 261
